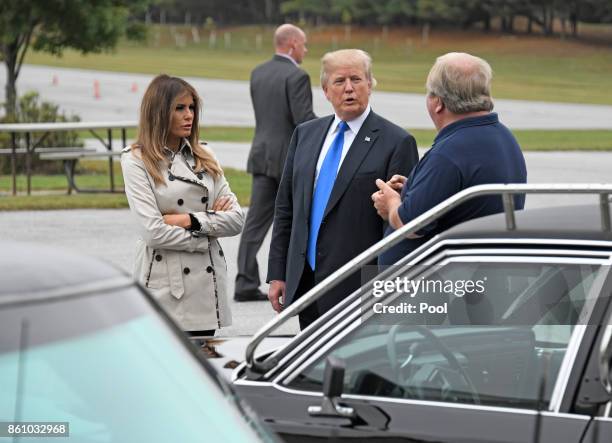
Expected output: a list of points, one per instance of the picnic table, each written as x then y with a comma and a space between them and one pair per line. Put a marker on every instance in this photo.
68, 154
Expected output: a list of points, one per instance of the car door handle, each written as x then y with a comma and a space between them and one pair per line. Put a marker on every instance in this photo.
330, 407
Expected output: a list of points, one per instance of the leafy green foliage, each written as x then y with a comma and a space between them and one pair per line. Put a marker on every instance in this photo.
54, 25
32, 110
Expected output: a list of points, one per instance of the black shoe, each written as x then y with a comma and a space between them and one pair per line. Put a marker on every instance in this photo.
253, 295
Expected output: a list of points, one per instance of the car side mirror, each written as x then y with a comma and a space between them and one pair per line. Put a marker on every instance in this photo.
333, 385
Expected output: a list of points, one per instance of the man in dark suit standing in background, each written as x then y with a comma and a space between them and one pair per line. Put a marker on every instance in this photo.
282, 99
323, 215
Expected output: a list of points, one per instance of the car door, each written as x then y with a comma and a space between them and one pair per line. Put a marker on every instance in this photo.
497, 367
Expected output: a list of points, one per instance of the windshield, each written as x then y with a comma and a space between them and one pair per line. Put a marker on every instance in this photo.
112, 368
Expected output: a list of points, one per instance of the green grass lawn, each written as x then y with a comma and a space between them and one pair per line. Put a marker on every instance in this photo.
525, 67
207, 133
93, 175
544, 140
530, 140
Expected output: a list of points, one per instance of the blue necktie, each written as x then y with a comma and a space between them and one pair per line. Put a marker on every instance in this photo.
323, 189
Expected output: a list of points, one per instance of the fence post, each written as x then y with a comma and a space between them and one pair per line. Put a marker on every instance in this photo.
29, 162
14, 161
110, 160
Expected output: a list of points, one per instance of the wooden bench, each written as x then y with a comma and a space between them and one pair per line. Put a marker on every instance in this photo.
70, 158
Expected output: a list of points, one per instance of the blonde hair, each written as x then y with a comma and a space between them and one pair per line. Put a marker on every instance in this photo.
462, 81
156, 110
346, 57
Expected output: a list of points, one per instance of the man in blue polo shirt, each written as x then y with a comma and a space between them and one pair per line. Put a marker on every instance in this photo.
472, 148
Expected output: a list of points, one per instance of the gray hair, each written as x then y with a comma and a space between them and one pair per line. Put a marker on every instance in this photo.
346, 57
462, 81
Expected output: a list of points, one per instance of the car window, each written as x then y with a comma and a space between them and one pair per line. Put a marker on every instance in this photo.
111, 367
494, 348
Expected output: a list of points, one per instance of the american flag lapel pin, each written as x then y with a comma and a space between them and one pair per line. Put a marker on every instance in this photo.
367, 139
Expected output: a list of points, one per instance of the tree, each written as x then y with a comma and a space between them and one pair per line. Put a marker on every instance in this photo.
54, 25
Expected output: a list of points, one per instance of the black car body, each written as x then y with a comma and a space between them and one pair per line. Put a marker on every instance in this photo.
528, 361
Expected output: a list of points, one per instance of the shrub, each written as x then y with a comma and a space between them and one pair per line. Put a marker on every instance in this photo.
31, 110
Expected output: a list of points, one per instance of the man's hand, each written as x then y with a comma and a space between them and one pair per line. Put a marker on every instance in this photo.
223, 203
276, 294
386, 200
397, 182
180, 220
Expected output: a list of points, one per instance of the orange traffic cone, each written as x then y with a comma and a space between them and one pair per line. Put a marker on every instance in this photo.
55, 81
134, 87
96, 87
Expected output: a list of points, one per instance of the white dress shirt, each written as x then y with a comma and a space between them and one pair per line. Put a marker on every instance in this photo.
287, 56
349, 136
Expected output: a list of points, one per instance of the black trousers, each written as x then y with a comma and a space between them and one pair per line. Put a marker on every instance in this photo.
258, 221
311, 312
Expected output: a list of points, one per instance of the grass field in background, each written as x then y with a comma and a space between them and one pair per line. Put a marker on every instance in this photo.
525, 67
544, 140
530, 139
93, 174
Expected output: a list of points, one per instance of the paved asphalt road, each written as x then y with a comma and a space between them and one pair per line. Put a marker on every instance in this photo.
111, 234
228, 103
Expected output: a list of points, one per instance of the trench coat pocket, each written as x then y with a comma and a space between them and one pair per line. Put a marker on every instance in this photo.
156, 276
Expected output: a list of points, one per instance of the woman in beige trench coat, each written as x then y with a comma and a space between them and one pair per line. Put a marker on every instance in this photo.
182, 204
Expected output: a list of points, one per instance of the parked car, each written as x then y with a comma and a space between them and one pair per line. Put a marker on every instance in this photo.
525, 360
82, 344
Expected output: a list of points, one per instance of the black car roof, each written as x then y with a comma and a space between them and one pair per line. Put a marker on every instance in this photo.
29, 270
581, 222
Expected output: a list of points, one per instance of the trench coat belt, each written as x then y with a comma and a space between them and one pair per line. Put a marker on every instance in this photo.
175, 274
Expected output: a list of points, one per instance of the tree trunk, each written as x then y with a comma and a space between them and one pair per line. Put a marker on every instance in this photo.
11, 86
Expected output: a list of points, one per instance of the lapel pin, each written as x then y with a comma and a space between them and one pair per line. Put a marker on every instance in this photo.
367, 139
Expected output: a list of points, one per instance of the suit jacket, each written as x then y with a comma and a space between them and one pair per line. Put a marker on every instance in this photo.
350, 223
282, 99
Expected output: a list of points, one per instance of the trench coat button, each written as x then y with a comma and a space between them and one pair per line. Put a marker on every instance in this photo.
186, 271
200, 175
171, 177
180, 202
209, 269
158, 257
204, 199
221, 252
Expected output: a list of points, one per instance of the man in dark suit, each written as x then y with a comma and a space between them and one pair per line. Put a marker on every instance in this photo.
282, 99
323, 214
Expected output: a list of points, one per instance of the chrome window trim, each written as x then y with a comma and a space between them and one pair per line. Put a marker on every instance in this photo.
340, 330
565, 369
433, 245
575, 342
315, 335
564, 252
538, 259
292, 371
431, 403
